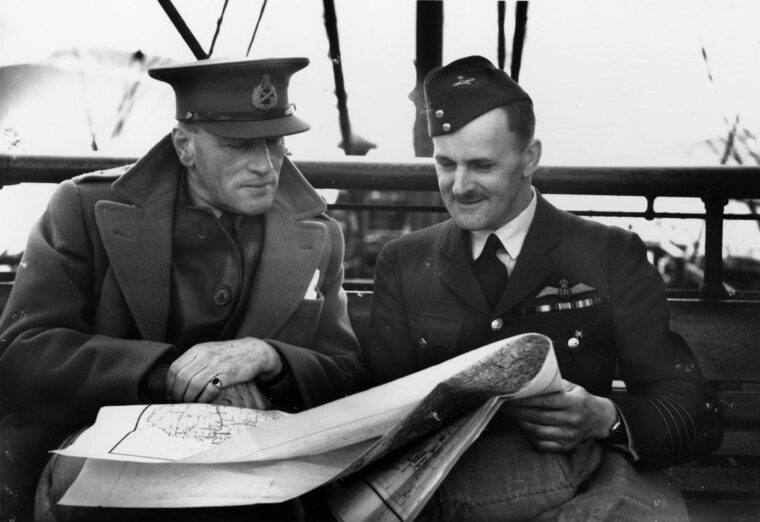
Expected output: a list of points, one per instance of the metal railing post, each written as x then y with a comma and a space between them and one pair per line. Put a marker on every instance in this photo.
712, 283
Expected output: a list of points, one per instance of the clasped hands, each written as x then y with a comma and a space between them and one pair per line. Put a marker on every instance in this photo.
221, 372
561, 420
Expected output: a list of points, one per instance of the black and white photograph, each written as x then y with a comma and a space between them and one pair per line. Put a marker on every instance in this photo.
383, 261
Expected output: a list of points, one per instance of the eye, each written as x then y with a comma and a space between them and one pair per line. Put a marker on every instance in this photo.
275, 142
235, 145
444, 164
482, 166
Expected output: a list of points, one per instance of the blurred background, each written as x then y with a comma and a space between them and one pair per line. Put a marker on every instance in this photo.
614, 83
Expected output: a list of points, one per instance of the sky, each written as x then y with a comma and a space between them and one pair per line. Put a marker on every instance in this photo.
613, 82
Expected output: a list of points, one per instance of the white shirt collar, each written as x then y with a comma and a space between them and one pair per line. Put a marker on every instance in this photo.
512, 234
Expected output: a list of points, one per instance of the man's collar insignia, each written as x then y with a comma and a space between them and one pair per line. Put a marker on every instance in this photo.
461, 80
565, 291
264, 95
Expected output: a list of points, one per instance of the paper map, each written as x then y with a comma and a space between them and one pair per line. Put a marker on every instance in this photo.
203, 455
176, 431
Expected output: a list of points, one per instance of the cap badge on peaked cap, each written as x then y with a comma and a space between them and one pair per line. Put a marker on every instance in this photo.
264, 95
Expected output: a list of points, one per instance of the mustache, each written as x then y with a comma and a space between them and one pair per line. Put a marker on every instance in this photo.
469, 196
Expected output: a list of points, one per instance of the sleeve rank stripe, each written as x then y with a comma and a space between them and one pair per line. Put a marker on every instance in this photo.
686, 420
674, 428
665, 422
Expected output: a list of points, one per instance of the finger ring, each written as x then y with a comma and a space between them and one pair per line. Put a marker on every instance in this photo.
216, 381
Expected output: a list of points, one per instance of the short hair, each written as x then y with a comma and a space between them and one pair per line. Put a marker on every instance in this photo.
522, 120
191, 127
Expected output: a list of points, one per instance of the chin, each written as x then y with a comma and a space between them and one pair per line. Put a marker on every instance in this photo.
252, 206
255, 211
468, 222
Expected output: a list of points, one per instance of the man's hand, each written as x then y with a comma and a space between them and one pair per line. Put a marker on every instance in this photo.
244, 395
200, 374
561, 420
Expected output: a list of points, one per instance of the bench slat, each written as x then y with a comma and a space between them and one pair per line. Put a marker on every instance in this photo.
723, 334
717, 481
742, 409
729, 511
738, 443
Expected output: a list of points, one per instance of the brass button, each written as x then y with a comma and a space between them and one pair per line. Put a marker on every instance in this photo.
222, 295
422, 342
202, 230
496, 324
573, 344
446, 127
439, 113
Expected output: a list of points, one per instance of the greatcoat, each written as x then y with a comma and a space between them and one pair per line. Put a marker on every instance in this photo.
87, 316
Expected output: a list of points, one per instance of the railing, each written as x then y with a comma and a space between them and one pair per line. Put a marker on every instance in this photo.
713, 185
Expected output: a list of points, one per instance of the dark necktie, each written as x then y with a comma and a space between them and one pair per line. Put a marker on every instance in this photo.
490, 272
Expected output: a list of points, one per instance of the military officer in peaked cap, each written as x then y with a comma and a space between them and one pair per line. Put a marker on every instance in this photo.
206, 272
508, 262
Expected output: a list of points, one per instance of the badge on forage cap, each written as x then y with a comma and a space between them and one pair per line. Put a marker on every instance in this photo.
465, 89
236, 98
461, 80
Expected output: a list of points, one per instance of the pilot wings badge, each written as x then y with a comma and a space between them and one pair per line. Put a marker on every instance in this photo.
264, 95
565, 291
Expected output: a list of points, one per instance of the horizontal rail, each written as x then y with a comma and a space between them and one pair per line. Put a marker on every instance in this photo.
377, 207
713, 185
419, 175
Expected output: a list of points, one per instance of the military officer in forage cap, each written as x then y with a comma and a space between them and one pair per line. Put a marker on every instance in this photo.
508, 262
206, 272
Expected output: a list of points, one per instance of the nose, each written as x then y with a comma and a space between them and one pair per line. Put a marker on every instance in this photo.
461, 180
257, 158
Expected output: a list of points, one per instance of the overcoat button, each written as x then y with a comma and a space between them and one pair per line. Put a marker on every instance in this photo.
202, 231
573, 344
422, 342
496, 324
439, 113
446, 127
222, 295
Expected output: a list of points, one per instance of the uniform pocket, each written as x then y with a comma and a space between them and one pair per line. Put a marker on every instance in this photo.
435, 337
299, 330
581, 339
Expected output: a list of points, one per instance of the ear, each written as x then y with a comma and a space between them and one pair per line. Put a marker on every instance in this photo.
531, 158
184, 145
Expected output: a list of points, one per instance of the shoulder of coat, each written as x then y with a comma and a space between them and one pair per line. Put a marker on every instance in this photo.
107, 175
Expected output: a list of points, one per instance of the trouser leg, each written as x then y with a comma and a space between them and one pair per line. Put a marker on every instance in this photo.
619, 492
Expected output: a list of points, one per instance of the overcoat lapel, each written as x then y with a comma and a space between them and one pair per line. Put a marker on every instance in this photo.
293, 247
533, 266
138, 237
138, 240
291, 254
456, 268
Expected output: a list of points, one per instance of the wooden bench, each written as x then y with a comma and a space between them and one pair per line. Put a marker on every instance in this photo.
725, 336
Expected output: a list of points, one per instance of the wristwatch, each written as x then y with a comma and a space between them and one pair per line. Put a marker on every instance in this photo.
618, 434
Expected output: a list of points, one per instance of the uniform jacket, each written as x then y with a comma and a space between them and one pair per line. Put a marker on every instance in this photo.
87, 315
428, 307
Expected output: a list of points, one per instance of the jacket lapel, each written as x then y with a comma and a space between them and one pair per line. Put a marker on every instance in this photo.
138, 237
293, 248
456, 268
533, 266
